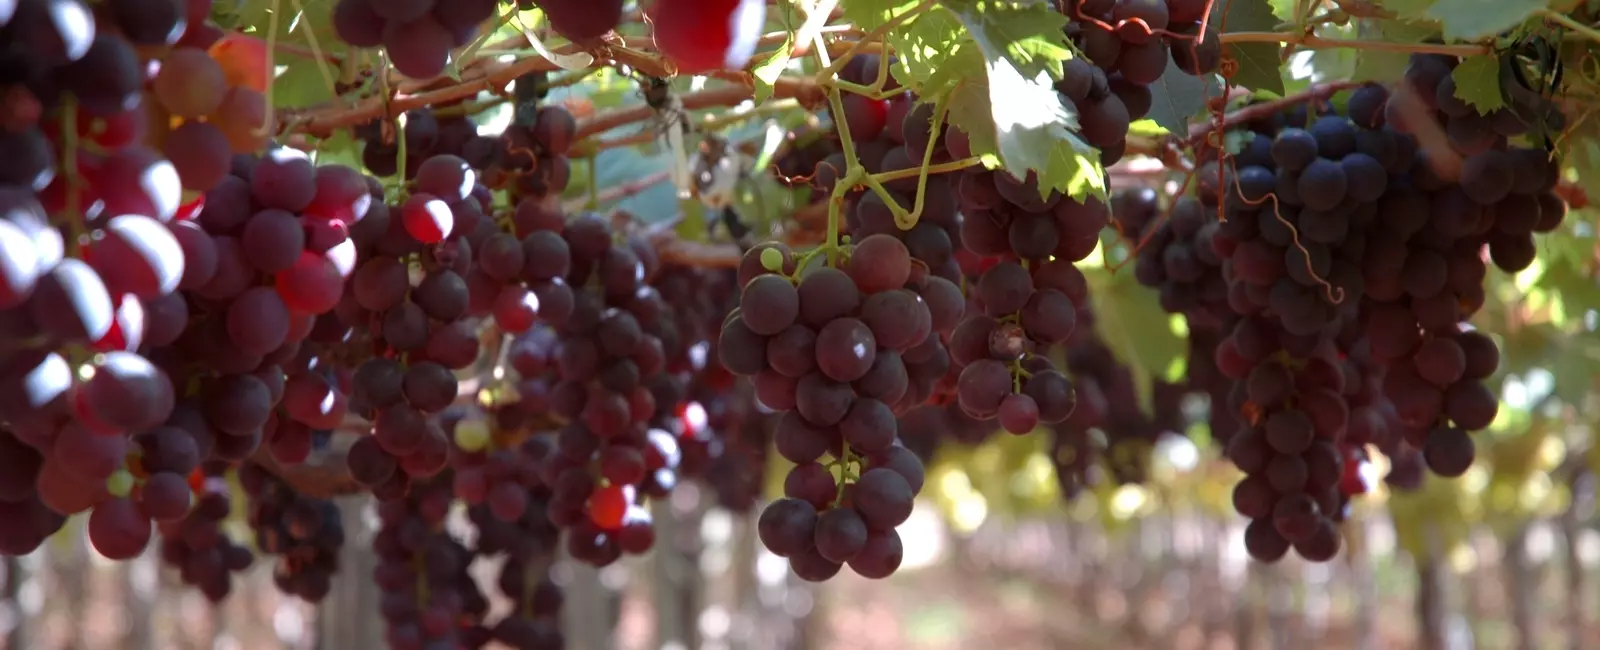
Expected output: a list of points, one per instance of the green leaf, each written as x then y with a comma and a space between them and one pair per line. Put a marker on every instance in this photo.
869, 14
1260, 67
1382, 65
1014, 101
1407, 8
1468, 20
768, 72
1478, 83
1136, 329
1178, 96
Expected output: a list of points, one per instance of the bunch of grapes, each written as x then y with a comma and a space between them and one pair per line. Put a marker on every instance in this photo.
204, 555
529, 544
1126, 46
211, 118
1347, 269
305, 533
429, 598
100, 264
416, 35
825, 344
596, 370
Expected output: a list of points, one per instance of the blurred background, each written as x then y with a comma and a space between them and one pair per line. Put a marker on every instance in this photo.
1470, 565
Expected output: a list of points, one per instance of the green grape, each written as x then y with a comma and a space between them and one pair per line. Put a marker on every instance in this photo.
472, 436
120, 483
772, 260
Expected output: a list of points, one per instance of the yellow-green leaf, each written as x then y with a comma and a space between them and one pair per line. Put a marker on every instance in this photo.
1478, 83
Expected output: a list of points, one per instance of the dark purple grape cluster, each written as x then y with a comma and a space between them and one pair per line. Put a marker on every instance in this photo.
205, 557
597, 372
1335, 289
149, 338
304, 533
1126, 47
429, 598
528, 159
417, 35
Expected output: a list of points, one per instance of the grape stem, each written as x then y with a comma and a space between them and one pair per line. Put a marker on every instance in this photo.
827, 74
1316, 93
1311, 41
1564, 21
69, 170
940, 107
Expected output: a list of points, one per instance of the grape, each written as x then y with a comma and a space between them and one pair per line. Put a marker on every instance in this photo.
798, 441
1005, 289
1323, 184
1449, 452
841, 534
869, 426
199, 151
883, 498
787, 527
118, 530
792, 352
1289, 431
358, 24
243, 117
190, 84
555, 130
879, 263
864, 117
1049, 316
1105, 123
136, 180
418, 48
825, 295
1441, 361
1335, 136
445, 176
311, 286
1487, 177
898, 319
982, 387
1019, 413
741, 350
1471, 405
442, 295
770, 303
276, 240
107, 78
72, 302
822, 402
137, 255
708, 36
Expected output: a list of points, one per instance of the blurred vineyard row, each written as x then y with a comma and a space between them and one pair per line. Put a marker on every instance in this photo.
1173, 576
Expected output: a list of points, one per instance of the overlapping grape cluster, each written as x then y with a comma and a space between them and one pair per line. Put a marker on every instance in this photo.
305, 533
1336, 288
205, 557
1127, 45
429, 599
529, 544
417, 35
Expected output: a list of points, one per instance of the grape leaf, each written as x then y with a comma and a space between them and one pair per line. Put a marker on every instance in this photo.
1381, 65
869, 14
1260, 67
1136, 329
1178, 96
1023, 46
1478, 83
1474, 19
933, 53
1408, 8
768, 72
